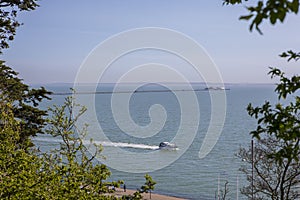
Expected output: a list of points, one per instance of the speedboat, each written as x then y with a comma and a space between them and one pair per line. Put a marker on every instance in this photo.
167, 146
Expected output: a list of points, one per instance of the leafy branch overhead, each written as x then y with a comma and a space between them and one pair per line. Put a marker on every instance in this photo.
291, 55
8, 22
272, 10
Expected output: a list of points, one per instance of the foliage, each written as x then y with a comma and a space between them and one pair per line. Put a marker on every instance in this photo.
137, 195
282, 120
149, 184
8, 22
277, 165
276, 156
75, 173
59, 175
290, 55
69, 172
147, 187
272, 180
20, 177
272, 10
25, 102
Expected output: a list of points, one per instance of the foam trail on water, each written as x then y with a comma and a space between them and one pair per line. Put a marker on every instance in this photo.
104, 143
127, 145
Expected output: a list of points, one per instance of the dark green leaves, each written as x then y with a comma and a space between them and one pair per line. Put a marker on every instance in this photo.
274, 10
290, 55
25, 101
281, 120
287, 85
294, 6
232, 2
8, 21
246, 17
276, 160
149, 184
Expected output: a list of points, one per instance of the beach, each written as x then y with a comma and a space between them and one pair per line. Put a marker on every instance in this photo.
120, 192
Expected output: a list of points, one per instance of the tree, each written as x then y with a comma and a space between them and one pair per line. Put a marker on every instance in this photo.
149, 185
20, 175
277, 132
69, 172
272, 180
24, 174
75, 173
8, 21
222, 194
25, 102
281, 120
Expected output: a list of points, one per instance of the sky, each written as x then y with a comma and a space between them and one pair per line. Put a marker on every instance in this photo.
59, 36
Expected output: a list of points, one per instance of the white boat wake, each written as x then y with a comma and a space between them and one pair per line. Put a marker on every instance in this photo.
103, 143
127, 145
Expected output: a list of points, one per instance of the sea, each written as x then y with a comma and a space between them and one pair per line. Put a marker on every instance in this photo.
135, 118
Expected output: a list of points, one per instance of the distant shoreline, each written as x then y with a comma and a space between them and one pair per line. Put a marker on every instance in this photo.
137, 91
141, 91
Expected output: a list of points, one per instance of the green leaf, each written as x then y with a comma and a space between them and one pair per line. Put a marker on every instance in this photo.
295, 6
246, 17
273, 17
283, 55
281, 15
232, 2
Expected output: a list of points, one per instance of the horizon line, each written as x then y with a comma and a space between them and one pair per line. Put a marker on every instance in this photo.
183, 83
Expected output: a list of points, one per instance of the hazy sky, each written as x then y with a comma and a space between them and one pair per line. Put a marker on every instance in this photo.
57, 37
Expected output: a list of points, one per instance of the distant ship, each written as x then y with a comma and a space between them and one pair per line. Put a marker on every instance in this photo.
216, 88
167, 146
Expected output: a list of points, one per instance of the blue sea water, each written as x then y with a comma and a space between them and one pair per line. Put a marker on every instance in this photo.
189, 176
